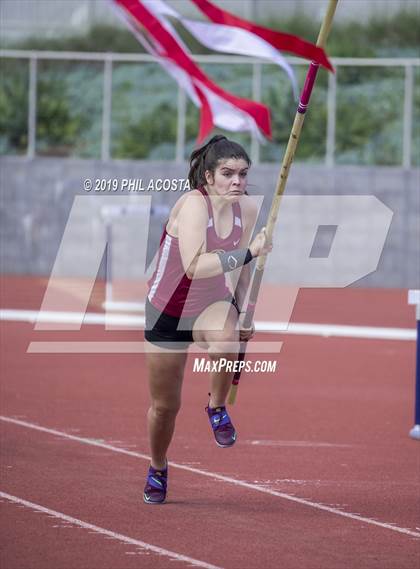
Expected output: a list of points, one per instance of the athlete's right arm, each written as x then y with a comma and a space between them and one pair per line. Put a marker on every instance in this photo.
192, 222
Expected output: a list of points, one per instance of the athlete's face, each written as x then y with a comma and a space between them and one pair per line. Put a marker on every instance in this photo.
229, 179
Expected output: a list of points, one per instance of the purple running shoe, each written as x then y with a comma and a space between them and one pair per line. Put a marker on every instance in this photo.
156, 484
224, 431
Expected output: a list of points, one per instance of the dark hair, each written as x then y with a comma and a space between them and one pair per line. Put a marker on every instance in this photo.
207, 157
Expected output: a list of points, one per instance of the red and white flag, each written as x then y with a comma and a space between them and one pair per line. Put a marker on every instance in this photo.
148, 20
222, 37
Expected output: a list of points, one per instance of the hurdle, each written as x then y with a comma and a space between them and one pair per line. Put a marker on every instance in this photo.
414, 298
111, 214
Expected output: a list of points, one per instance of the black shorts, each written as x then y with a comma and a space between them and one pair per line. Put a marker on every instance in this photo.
162, 329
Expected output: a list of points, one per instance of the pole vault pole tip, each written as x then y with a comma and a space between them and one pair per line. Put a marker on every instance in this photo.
232, 394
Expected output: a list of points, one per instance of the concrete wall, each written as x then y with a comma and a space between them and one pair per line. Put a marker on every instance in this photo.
37, 196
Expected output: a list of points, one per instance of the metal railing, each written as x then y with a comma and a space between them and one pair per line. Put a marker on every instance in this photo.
108, 59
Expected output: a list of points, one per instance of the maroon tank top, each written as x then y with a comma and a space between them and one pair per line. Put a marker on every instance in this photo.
170, 289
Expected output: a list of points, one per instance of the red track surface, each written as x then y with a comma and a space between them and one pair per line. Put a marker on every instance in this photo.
355, 395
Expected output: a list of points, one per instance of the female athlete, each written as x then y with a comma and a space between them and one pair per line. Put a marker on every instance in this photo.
206, 238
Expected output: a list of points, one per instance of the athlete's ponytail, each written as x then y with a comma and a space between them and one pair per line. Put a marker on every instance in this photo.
207, 157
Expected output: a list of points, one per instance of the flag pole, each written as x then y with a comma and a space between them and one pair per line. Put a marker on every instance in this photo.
281, 184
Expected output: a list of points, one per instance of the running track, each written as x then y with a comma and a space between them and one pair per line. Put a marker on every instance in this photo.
323, 474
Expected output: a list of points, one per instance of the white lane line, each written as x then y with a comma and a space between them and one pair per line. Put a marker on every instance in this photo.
56, 317
310, 444
108, 533
338, 330
128, 320
214, 476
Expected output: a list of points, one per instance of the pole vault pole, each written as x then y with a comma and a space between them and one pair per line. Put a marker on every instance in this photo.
281, 184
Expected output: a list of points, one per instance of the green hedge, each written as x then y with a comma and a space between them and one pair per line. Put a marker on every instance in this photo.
144, 98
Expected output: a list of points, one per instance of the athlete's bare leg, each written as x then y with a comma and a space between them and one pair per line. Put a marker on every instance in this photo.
216, 330
166, 372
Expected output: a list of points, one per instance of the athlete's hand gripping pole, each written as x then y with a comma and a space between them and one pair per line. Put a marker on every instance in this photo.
281, 183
